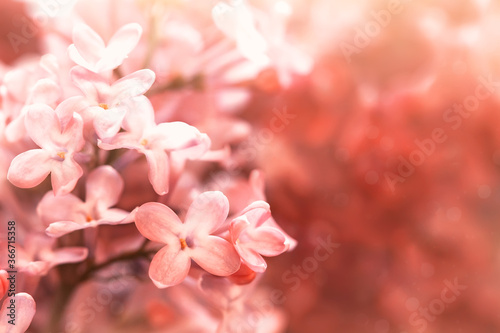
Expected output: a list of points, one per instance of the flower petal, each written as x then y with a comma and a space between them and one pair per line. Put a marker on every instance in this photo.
236, 227
140, 115
88, 47
72, 136
115, 216
169, 266
266, 240
257, 212
37, 268
67, 255
236, 22
64, 176
121, 140
108, 122
25, 310
44, 91
290, 242
207, 212
119, 46
94, 86
78, 59
104, 186
175, 135
158, 170
42, 125
251, 258
215, 255
16, 129
195, 151
132, 85
4, 283
54, 208
30, 168
158, 223
66, 109
58, 229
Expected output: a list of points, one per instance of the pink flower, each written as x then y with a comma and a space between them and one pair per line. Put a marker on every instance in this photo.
192, 239
266, 46
90, 52
27, 84
252, 239
154, 141
68, 213
105, 105
48, 258
59, 134
235, 20
25, 308
242, 193
38, 254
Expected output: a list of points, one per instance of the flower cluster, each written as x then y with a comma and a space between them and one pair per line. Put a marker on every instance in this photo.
111, 141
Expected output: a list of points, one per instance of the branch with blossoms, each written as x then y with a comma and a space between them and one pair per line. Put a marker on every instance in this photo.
111, 161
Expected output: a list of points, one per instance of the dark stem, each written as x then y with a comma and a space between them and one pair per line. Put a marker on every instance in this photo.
69, 285
141, 253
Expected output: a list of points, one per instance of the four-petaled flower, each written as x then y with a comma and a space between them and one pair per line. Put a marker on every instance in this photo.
59, 135
154, 141
252, 239
193, 239
68, 213
104, 104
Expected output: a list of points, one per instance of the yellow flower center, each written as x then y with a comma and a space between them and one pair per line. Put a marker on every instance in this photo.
144, 142
183, 243
104, 106
61, 154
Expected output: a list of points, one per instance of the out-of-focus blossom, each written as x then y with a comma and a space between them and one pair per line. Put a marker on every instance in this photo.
32, 82
19, 320
25, 310
105, 105
59, 134
236, 21
90, 51
41, 262
267, 47
68, 213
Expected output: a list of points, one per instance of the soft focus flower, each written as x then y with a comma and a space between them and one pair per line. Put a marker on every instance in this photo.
103, 104
68, 213
30, 83
25, 310
59, 134
24, 305
41, 262
192, 239
90, 52
236, 21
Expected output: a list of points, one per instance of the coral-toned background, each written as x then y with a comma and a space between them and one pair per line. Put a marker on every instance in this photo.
354, 121
333, 170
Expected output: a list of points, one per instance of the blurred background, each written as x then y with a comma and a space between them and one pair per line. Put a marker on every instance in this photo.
388, 169
395, 153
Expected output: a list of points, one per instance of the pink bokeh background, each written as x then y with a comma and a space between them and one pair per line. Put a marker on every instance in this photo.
409, 211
